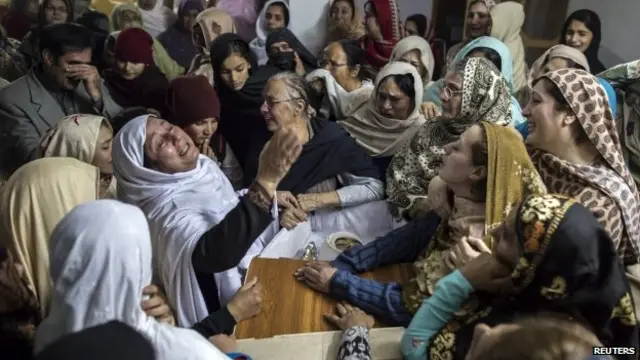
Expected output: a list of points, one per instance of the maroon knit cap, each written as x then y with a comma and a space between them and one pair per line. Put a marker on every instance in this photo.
192, 99
134, 45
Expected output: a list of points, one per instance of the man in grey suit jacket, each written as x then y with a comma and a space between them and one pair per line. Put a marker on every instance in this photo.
64, 84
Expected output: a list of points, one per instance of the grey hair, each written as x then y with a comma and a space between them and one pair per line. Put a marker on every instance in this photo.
297, 89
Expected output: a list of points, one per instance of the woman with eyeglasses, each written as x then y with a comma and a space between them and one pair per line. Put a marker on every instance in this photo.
338, 83
473, 91
332, 170
491, 49
392, 116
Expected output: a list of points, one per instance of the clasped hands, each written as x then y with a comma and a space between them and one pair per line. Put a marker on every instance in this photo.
296, 209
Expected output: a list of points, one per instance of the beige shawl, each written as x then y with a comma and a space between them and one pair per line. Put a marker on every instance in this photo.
213, 23
426, 55
33, 201
76, 136
557, 51
354, 31
508, 19
381, 136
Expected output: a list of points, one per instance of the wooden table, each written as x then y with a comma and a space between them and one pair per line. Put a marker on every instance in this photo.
290, 307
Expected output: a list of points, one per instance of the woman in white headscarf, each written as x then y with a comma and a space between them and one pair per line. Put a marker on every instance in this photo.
508, 18
415, 50
88, 139
383, 128
100, 263
203, 233
156, 18
275, 15
339, 82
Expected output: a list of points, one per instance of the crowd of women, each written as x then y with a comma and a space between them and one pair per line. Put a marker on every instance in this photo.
518, 183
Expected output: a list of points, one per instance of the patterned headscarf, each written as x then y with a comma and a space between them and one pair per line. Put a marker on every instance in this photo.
609, 179
625, 78
485, 96
388, 15
566, 265
510, 176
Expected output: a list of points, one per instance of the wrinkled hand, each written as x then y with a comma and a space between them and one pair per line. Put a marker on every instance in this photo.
277, 157
247, 302
157, 305
90, 76
467, 249
309, 202
349, 316
299, 65
488, 274
291, 217
287, 200
429, 110
225, 343
317, 275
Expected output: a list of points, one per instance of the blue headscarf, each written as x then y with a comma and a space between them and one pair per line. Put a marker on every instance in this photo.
432, 92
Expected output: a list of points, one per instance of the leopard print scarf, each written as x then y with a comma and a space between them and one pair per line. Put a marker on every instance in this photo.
485, 96
595, 185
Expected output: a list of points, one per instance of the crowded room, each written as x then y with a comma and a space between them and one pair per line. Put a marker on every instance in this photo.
472, 194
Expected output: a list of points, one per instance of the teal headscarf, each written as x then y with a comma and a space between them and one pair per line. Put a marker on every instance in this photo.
432, 93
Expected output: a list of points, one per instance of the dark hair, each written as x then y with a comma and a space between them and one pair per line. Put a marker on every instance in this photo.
489, 54
350, 2
592, 21
421, 23
580, 136
285, 10
355, 54
59, 39
406, 84
43, 5
234, 47
570, 63
480, 157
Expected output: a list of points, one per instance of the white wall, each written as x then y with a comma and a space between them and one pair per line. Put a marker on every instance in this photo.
620, 40
408, 7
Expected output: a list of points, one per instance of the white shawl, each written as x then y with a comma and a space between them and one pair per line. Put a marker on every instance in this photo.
258, 44
157, 20
379, 135
343, 103
100, 263
180, 208
426, 54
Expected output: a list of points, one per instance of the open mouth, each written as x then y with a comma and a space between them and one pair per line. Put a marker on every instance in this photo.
184, 150
531, 126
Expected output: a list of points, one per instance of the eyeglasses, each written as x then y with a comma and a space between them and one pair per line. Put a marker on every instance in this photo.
331, 64
270, 102
447, 92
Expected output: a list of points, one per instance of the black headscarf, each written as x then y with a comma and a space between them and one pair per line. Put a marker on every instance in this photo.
113, 340
286, 61
592, 21
329, 152
241, 122
567, 266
